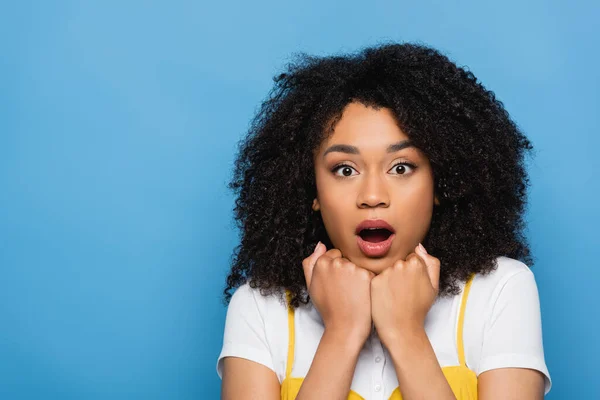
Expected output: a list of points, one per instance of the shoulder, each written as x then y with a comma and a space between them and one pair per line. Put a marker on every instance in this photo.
504, 328
253, 328
508, 271
247, 299
511, 282
506, 268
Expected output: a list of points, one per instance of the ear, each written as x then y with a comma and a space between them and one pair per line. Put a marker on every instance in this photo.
315, 205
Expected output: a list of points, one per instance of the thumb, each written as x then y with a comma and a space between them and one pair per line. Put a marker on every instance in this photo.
310, 262
433, 266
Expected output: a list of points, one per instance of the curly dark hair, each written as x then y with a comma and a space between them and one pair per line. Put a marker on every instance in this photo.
476, 152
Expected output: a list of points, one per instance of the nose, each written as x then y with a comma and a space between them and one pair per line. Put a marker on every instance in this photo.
373, 192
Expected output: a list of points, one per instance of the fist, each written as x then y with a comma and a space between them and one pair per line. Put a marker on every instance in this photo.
402, 294
340, 291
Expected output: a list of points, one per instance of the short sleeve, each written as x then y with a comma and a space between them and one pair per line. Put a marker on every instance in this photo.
244, 334
513, 333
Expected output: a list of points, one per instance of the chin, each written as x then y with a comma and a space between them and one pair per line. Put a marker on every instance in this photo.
375, 265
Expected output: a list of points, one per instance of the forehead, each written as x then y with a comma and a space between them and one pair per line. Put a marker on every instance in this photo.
365, 127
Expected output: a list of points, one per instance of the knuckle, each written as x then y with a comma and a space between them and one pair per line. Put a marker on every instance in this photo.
335, 253
414, 262
364, 274
321, 261
338, 262
399, 264
412, 258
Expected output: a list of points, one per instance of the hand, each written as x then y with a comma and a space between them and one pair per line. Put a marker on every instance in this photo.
341, 292
402, 295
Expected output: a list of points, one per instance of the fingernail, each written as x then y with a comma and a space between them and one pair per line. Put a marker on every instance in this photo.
317, 246
422, 248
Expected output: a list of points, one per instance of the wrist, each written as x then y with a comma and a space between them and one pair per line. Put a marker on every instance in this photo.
406, 340
407, 333
352, 339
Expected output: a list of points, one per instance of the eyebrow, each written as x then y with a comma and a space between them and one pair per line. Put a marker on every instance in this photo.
346, 148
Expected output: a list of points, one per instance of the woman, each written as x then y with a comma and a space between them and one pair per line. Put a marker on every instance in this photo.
380, 197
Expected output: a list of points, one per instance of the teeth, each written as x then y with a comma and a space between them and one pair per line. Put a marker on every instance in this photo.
376, 229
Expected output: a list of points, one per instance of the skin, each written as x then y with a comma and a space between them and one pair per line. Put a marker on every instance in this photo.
380, 186
354, 292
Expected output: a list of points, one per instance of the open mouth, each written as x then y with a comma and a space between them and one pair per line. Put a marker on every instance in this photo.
376, 235
375, 242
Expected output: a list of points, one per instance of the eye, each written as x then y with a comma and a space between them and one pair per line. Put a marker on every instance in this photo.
401, 168
345, 169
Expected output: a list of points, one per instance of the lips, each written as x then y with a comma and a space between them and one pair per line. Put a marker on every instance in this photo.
373, 224
374, 237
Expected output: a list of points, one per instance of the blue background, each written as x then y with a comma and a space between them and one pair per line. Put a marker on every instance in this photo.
118, 128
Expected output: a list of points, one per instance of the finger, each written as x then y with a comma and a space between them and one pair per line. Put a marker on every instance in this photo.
310, 262
417, 260
371, 274
433, 266
416, 256
333, 253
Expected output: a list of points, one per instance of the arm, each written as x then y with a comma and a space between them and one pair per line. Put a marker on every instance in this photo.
512, 364
419, 373
245, 379
401, 296
245, 363
420, 376
330, 374
341, 293
511, 384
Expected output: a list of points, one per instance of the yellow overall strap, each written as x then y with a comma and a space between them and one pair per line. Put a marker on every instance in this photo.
291, 340
461, 320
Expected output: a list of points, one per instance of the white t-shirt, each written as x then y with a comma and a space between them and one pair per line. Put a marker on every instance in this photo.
502, 328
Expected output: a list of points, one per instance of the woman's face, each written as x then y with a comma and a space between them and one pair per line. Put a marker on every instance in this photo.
368, 170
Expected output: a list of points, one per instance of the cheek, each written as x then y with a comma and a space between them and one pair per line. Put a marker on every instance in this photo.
421, 211
415, 210
335, 210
